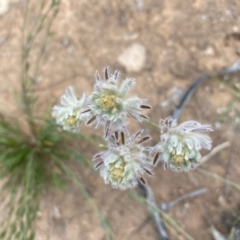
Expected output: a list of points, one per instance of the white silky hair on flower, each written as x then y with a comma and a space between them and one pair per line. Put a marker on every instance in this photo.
110, 104
180, 145
69, 113
126, 160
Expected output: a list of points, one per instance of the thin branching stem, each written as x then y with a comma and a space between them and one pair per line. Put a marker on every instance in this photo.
196, 193
234, 68
170, 222
230, 161
152, 205
218, 177
44, 44
214, 151
39, 26
152, 124
24, 75
28, 40
173, 223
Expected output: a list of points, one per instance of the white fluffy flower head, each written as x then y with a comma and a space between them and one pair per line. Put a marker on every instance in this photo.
110, 104
180, 145
68, 114
125, 162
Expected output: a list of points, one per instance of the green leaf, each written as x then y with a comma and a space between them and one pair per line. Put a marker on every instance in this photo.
78, 156
16, 157
32, 236
58, 181
3, 234
30, 37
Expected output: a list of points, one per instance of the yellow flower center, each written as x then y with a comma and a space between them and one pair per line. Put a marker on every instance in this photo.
106, 102
118, 172
72, 121
178, 160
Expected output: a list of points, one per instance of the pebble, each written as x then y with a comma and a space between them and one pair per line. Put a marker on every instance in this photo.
133, 58
175, 94
164, 52
222, 201
217, 125
131, 37
39, 214
173, 97
2, 40
4, 6
229, 13
235, 28
209, 51
204, 16
56, 213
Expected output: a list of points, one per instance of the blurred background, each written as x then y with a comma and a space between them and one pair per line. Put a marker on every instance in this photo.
165, 46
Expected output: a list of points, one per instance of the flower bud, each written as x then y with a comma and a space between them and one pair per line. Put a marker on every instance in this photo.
180, 145
111, 105
125, 162
69, 114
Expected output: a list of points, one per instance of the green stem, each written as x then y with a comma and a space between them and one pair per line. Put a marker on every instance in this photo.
152, 124
216, 176
165, 216
92, 141
43, 47
232, 90
24, 75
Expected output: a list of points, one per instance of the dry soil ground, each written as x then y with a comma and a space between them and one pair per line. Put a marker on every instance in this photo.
176, 42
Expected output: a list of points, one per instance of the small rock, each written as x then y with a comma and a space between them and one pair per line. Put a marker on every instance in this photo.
235, 28
237, 85
2, 40
229, 13
133, 58
207, 88
39, 214
56, 213
173, 97
204, 16
209, 51
222, 201
149, 79
65, 42
164, 52
131, 37
217, 125
140, 5
4, 6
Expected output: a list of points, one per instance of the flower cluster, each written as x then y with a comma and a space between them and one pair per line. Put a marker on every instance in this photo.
68, 115
110, 103
180, 145
126, 161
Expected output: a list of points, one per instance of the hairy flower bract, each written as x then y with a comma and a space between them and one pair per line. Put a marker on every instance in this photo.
180, 145
110, 104
68, 114
125, 162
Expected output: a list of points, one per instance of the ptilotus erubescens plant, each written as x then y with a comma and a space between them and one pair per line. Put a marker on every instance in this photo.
110, 104
69, 114
126, 159
180, 145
